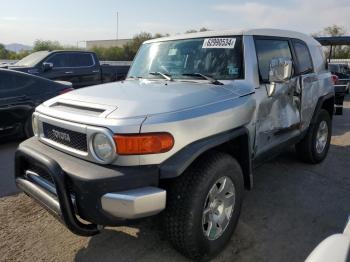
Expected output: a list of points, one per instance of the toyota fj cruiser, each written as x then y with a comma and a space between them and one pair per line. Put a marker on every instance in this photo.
181, 135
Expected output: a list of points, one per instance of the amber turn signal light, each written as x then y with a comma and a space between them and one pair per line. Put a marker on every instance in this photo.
141, 144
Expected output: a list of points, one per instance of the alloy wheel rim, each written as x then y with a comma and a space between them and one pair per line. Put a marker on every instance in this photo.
321, 137
218, 208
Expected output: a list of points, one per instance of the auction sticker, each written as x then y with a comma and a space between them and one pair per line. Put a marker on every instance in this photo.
219, 43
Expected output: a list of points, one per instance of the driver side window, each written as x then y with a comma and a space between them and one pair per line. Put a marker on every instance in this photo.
59, 60
267, 49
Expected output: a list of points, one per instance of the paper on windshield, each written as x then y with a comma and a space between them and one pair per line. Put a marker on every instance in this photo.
227, 42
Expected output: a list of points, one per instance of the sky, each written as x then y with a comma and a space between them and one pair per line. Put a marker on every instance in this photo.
73, 21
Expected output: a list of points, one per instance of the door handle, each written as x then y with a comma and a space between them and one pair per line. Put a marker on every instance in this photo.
69, 72
95, 71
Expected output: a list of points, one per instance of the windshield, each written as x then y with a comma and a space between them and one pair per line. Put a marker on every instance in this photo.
32, 59
219, 58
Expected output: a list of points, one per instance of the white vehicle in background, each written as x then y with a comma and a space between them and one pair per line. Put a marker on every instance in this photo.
335, 248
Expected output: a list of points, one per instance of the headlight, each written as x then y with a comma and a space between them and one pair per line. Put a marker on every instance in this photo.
35, 125
103, 147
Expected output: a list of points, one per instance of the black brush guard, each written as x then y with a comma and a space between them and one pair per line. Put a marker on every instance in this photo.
61, 206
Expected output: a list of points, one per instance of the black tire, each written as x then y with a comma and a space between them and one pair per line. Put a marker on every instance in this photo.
306, 148
186, 198
28, 129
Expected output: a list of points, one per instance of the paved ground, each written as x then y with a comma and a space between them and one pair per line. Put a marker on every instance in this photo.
292, 207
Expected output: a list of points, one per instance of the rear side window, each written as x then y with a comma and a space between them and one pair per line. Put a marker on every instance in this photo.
303, 57
268, 49
81, 60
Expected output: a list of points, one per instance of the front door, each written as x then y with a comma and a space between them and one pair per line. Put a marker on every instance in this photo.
278, 115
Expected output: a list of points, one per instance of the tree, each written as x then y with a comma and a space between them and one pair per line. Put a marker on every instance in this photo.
338, 51
334, 30
46, 45
131, 48
204, 29
191, 31
4, 53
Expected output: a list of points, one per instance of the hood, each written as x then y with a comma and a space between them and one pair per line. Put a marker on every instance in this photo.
135, 98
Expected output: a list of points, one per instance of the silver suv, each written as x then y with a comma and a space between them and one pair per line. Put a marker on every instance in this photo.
181, 135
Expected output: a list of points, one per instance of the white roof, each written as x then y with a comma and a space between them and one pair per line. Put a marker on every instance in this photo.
262, 32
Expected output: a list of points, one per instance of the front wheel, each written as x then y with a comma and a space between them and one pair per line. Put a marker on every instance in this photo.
315, 145
203, 206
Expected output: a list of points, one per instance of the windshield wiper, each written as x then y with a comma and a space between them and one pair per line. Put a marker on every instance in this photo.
166, 76
139, 77
209, 78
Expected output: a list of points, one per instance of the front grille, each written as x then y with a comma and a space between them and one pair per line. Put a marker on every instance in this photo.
65, 137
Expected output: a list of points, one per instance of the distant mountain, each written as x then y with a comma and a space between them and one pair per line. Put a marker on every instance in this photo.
15, 47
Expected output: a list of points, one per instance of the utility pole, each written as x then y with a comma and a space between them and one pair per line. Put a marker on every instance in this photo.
117, 24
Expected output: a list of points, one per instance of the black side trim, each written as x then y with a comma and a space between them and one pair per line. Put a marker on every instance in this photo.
319, 105
177, 164
66, 211
276, 150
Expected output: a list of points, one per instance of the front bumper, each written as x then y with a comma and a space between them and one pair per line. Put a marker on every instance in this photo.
72, 188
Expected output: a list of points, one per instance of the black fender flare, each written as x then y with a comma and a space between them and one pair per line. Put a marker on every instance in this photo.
319, 105
178, 163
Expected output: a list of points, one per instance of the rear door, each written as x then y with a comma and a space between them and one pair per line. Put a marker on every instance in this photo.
308, 79
86, 67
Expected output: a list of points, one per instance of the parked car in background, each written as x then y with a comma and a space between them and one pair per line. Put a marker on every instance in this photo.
342, 71
341, 81
335, 248
81, 68
20, 93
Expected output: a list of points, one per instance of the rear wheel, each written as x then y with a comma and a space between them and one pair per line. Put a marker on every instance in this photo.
203, 206
315, 145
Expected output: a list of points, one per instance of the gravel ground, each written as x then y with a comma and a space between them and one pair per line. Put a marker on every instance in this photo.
292, 207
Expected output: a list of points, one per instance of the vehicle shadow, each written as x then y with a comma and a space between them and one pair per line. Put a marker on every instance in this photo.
142, 241
292, 207
146, 242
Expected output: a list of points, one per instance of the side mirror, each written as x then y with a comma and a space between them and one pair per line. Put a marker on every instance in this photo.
47, 66
280, 70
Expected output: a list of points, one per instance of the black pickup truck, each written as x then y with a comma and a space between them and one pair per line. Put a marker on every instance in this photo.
81, 68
